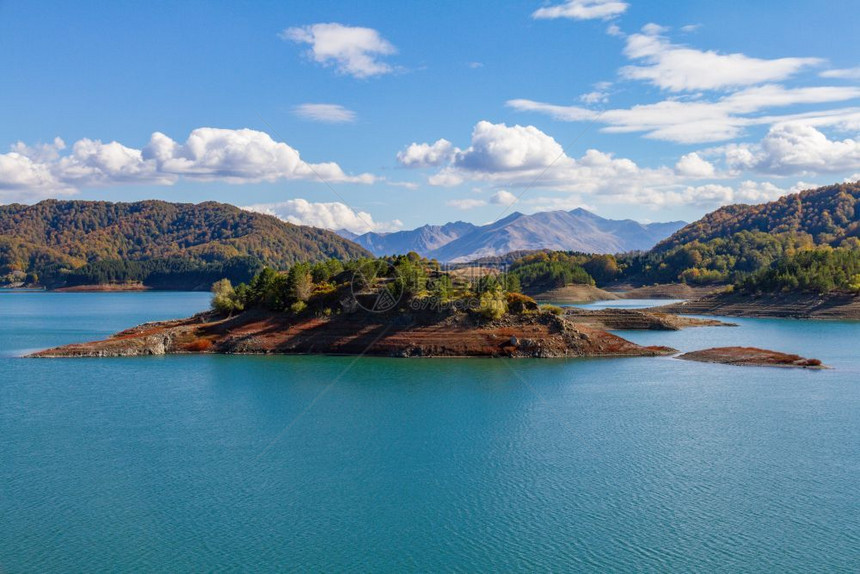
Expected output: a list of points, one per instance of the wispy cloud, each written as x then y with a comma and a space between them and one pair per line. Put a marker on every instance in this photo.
326, 113
679, 68
582, 10
843, 74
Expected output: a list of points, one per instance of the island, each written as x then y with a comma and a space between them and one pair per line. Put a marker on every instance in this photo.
751, 356
402, 306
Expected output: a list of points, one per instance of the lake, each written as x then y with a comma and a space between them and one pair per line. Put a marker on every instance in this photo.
219, 463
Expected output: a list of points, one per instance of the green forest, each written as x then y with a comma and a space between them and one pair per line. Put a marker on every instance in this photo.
411, 283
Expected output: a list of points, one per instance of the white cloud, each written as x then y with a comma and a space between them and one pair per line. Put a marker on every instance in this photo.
351, 50
595, 97
795, 148
96, 164
497, 147
238, 156
582, 10
209, 154
527, 157
22, 179
690, 28
844, 74
40, 152
698, 121
678, 68
694, 166
708, 196
332, 216
466, 203
503, 197
326, 113
614, 30
426, 155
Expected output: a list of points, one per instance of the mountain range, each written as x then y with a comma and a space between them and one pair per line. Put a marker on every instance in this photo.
576, 230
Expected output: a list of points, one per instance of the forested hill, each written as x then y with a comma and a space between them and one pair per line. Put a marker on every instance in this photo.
54, 240
829, 214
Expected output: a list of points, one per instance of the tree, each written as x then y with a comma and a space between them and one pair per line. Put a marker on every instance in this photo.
224, 299
441, 288
300, 283
493, 304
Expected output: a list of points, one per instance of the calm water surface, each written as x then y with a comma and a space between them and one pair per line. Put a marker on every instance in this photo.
332, 463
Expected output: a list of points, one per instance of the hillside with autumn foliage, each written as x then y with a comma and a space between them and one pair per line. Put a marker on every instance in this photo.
830, 215
55, 243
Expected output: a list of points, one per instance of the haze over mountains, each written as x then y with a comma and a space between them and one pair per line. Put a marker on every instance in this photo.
576, 230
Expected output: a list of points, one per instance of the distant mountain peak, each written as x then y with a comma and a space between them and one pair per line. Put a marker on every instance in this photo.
575, 230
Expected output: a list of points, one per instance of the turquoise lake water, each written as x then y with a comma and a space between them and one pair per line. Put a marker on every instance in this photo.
212, 463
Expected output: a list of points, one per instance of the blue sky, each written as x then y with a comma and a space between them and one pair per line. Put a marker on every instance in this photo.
391, 115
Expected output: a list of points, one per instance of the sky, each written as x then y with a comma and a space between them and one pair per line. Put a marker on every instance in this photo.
370, 115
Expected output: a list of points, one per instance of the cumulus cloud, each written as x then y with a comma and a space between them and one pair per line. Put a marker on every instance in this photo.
694, 166
525, 156
699, 121
22, 179
582, 10
326, 113
426, 155
209, 154
678, 68
332, 216
794, 148
351, 50
237, 156
500, 148
503, 197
